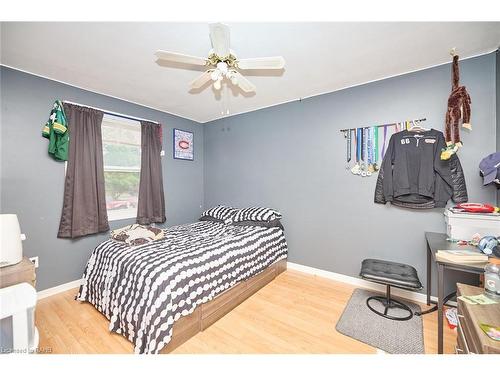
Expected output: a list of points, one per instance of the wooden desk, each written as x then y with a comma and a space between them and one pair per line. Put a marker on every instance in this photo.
435, 242
470, 337
22, 272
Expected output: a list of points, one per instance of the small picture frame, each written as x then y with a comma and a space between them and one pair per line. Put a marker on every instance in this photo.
183, 145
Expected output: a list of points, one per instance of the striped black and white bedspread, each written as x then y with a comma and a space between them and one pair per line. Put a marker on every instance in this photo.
143, 290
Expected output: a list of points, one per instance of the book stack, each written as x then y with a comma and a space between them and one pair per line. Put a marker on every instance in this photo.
461, 256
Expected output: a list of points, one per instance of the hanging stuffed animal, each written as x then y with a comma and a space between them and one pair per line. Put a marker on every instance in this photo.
458, 109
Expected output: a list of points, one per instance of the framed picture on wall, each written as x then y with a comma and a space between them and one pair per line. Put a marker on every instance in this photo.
183, 145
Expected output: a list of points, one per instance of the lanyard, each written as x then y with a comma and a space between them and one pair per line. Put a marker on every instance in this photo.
375, 141
364, 153
354, 140
359, 141
369, 145
385, 139
363, 144
349, 141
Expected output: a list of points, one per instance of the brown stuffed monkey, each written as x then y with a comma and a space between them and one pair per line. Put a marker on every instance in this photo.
458, 108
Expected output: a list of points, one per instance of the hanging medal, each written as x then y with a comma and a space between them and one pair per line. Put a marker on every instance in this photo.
357, 137
375, 148
385, 140
369, 167
347, 134
369, 142
363, 153
370, 150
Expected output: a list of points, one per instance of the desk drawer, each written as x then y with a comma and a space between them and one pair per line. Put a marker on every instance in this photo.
23, 276
464, 340
466, 321
461, 347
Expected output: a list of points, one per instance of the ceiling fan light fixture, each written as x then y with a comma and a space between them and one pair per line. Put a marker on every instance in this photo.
215, 75
222, 66
222, 63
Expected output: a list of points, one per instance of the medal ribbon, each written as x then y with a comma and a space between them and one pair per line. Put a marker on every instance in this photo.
369, 145
363, 143
385, 139
348, 145
358, 144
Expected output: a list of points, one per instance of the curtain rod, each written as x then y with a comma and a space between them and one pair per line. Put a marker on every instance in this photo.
378, 126
111, 112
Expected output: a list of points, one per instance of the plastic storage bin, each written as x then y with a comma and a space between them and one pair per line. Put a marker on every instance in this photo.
18, 333
462, 226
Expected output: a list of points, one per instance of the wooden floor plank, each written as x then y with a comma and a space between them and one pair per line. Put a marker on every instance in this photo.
296, 313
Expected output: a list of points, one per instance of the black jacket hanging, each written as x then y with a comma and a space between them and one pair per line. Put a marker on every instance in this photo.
412, 174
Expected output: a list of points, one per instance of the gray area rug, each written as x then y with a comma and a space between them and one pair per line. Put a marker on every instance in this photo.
391, 336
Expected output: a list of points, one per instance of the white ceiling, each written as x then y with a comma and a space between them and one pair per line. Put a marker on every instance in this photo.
117, 58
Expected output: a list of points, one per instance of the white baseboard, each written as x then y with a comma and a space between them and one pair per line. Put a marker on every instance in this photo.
414, 296
407, 294
58, 289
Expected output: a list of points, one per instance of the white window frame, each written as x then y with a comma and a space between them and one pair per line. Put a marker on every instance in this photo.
114, 215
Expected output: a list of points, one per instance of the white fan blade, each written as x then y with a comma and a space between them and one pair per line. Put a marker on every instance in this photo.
180, 58
276, 62
201, 80
244, 83
219, 35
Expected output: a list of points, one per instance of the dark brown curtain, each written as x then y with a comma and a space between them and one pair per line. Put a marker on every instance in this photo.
151, 204
84, 205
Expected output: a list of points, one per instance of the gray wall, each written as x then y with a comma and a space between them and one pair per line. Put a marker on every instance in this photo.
292, 157
33, 183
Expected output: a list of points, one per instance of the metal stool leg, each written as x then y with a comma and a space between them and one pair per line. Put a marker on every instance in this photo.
388, 304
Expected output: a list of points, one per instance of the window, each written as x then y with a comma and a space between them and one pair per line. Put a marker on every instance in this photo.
121, 143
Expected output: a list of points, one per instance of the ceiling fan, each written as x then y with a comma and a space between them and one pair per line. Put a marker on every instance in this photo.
222, 62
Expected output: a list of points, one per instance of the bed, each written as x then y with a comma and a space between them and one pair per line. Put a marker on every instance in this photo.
160, 294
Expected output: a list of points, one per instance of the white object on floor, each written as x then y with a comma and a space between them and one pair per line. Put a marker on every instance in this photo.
18, 333
11, 247
452, 316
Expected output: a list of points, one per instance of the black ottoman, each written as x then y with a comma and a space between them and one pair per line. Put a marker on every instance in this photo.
390, 274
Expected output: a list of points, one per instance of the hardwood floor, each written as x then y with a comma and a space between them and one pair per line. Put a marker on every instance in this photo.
296, 313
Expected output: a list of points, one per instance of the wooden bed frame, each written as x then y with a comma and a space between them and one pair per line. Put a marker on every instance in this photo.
208, 313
